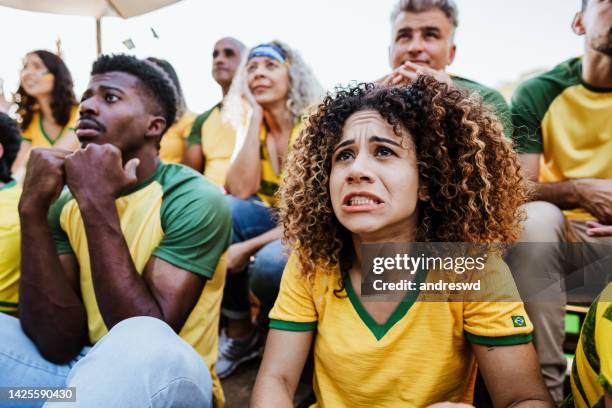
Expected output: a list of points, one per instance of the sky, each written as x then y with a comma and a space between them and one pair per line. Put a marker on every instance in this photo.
342, 40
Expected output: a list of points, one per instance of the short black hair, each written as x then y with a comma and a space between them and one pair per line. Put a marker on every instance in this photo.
154, 80
10, 138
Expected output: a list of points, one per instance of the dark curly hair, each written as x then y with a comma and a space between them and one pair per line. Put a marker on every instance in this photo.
62, 96
155, 82
468, 170
10, 139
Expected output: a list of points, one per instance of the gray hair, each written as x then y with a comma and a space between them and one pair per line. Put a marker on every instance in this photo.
448, 7
305, 90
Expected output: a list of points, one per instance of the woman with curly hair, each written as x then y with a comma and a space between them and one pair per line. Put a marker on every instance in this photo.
47, 107
278, 87
422, 163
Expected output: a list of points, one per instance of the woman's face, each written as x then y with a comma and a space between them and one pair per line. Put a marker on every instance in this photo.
374, 181
268, 80
36, 79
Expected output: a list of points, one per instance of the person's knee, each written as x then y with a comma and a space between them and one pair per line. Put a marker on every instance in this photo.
165, 363
544, 223
150, 342
235, 204
266, 271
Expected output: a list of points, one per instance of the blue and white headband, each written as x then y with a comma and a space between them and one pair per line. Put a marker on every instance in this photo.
268, 50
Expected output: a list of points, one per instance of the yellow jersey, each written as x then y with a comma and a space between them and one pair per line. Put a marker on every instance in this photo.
172, 145
175, 215
36, 134
10, 247
270, 180
217, 139
421, 355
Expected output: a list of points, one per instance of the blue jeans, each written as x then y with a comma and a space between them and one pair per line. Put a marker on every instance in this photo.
251, 218
141, 362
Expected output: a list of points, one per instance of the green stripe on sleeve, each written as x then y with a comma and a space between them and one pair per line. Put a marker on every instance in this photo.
195, 134
512, 340
292, 326
604, 383
60, 238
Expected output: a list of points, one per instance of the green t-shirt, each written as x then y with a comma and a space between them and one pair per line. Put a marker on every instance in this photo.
491, 98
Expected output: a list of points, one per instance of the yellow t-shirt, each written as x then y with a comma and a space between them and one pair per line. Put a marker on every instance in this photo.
172, 145
35, 132
592, 369
10, 241
569, 123
217, 139
178, 216
420, 356
270, 180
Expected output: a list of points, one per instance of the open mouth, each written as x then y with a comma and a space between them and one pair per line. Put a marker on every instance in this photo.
357, 201
362, 200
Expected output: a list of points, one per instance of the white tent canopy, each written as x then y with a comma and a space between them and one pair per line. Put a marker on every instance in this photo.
93, 8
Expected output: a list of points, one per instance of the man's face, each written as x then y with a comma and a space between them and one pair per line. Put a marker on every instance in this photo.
115, 109
226, 58
595, 22
424, 38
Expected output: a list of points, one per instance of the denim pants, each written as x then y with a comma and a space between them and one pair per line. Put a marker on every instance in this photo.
141, 362
250, 219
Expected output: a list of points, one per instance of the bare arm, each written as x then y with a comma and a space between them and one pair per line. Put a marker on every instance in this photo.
194, 157
50, 309
254, 244
562, 194
239, 253
594, 195
244, 174
520, 383
163, 291
283, 361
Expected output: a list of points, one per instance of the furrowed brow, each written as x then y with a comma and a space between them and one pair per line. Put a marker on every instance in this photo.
345, 143
384, 140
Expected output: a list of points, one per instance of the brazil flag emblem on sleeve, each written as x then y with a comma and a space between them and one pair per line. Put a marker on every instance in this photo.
519, 321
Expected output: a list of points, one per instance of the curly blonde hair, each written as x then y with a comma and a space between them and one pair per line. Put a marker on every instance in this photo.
304, 91
468, 171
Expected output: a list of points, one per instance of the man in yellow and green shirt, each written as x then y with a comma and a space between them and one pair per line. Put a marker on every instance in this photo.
211, 140
10, 238
563, 132
129, 258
